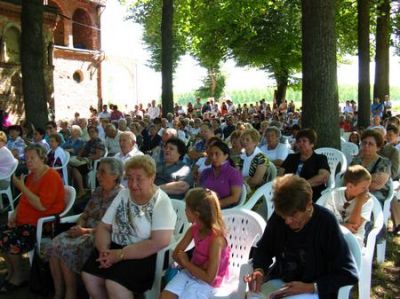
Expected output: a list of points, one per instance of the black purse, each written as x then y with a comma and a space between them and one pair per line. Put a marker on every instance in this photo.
40, 280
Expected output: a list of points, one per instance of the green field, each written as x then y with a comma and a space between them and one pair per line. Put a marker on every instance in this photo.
346, 92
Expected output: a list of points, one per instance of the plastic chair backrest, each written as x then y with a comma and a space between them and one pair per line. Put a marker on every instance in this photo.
8, 190
381, 246
265, 192
355, 249
181, 220
244, 229
92, 174
334, 157
350, 150
69, 198
12, 170
64, 167
272, 172
364, 283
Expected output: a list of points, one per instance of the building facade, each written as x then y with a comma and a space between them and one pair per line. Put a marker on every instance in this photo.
72, 39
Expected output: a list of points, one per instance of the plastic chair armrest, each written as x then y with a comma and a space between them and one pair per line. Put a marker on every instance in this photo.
70, 219
344, 292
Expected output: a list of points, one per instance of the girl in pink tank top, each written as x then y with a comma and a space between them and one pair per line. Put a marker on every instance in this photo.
210, 260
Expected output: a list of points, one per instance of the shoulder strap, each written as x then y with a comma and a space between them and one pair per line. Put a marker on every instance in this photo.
375, 165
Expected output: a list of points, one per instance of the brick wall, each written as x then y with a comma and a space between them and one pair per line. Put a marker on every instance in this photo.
72, 96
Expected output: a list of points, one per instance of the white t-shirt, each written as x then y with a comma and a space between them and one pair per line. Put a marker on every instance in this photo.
153, 112
280, 152
133, 223
335, 203
112, 144
123, 158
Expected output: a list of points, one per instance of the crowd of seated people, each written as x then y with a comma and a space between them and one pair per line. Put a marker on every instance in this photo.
222, 153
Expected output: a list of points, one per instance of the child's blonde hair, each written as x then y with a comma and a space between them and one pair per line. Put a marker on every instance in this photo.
356, 174
206, 203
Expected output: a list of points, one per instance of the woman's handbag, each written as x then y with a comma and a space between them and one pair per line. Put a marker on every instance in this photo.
40, 281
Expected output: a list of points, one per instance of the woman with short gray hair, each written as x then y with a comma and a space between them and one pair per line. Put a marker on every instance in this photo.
69, 251
74, 143
275, 151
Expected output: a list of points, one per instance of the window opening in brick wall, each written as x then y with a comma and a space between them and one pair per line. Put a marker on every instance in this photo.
78, 76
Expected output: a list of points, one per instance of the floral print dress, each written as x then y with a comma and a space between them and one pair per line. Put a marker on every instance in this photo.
75, 251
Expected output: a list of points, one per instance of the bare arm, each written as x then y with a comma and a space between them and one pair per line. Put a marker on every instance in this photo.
233, 198
355, 219
32, 198
182, 245
158, 240
103, 236
175, 187
257, 178
209, 273
379, 180
319, 179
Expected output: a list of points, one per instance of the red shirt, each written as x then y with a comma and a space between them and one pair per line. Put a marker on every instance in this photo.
50, 189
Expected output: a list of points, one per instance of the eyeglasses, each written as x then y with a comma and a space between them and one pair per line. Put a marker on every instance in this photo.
366, 143
345, 206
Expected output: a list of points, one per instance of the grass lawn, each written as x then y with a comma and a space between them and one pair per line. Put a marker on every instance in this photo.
386, 277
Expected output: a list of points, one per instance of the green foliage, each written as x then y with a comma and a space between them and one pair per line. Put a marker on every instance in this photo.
346, 92
213, 85
266, 35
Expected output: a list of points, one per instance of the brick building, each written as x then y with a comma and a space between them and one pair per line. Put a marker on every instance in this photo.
73, 55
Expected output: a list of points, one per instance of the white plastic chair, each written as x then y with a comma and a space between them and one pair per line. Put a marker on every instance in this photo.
381, 246
92, 173
350, 150
265, 192
70, 195
364, 283
8, 190
69, 198
334, 158
272, 172
355, 249
64, 167
244, 229
181, 226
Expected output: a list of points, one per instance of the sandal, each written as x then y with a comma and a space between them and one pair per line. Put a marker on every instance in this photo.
10, 287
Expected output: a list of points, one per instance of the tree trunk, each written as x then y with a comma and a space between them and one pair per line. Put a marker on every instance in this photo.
320, 91
381, 84
364, 90
212, 75
32, 62
282, 80
167, 96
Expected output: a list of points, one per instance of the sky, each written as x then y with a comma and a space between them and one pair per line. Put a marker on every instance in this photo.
123, 39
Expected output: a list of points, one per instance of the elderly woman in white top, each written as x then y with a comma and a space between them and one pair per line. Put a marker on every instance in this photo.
6, 161
139, 222
275, 151
254, 164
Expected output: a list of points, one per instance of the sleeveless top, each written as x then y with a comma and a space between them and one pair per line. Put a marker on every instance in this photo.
200, 255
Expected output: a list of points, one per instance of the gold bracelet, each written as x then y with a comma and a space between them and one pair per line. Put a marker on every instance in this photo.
121, 254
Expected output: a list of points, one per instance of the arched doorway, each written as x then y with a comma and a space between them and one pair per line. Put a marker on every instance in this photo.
59, 31
12, 45
81, 30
